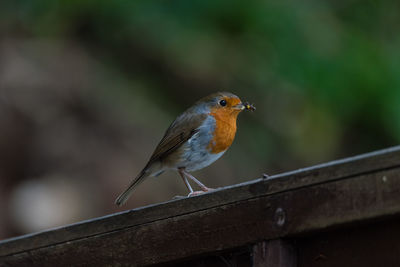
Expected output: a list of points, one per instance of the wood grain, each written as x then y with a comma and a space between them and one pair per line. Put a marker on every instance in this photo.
274, 253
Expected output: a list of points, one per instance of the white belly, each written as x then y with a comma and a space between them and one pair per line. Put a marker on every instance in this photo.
200, 161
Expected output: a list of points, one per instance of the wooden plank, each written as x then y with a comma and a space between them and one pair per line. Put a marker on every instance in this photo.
375, 244
283, 214
274, 253
336, 170
241, 257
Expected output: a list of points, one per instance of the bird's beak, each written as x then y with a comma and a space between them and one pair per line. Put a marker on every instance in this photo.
239, 106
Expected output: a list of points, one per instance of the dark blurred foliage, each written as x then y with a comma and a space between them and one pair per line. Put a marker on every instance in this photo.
88, 87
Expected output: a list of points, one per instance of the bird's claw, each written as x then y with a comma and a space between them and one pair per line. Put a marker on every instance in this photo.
195, 193
203, 190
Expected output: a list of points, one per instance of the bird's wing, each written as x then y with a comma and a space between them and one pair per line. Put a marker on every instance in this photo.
184, 127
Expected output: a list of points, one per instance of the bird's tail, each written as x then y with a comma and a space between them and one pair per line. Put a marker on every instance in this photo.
121, 199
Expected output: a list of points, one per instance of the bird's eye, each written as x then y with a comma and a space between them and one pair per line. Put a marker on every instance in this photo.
222, 102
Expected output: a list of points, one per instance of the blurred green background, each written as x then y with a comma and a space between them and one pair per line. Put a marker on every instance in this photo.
87, 89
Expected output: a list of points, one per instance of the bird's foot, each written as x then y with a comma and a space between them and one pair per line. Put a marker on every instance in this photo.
203, 190
195, 193
207, 189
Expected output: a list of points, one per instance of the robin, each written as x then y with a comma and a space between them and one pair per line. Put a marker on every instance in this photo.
197, 138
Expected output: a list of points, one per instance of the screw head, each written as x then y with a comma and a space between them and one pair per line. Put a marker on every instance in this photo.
280, 217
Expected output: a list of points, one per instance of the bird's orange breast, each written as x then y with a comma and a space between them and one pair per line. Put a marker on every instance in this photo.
225, 129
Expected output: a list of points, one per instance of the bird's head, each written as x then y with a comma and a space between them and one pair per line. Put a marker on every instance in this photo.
224, 102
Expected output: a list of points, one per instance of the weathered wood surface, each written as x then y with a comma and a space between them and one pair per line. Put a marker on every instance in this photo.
362, 245
286, 205
274, 253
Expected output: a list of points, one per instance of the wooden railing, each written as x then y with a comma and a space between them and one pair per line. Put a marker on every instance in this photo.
343, 213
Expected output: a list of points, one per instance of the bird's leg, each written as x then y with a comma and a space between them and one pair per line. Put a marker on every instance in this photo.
184, 178
202, 186
182, 174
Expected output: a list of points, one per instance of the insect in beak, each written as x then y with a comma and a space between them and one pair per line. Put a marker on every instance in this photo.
249, 106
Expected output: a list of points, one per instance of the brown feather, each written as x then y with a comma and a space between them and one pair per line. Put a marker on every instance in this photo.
178, 132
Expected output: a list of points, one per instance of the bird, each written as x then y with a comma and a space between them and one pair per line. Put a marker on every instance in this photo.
194, 140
